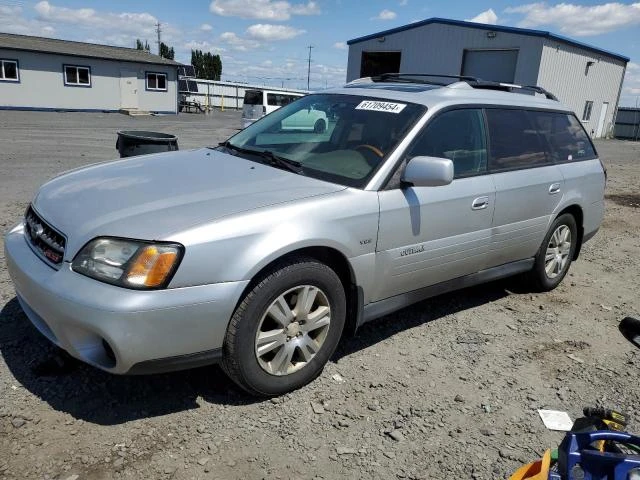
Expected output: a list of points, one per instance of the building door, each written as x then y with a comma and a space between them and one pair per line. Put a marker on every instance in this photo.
377, 63
603, 116
128, 89
494, 65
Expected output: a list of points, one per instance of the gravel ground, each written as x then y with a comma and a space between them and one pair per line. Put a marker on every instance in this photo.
448, 388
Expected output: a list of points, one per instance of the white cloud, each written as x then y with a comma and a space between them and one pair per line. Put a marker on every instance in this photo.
88, 17
12, 20
204, 46
275, 10
205, 27
385, 15
403, 3
488, 16
238, 43
579, 20
271, 33
340, 45
631, 85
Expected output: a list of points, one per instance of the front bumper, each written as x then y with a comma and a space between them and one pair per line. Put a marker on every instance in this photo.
116, 329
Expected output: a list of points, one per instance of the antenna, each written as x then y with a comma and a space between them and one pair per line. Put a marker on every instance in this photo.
159, 31
309, 67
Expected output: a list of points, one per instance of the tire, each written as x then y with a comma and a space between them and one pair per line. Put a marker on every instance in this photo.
320, 126
549, 271
285, 361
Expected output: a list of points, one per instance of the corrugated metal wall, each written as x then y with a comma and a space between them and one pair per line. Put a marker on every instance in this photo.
438, 48
558, 67
562, 71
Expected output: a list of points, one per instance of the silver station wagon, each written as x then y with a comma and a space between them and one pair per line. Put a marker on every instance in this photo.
261, 252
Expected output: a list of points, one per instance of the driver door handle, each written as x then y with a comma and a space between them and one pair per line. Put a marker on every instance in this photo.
554, 188
480, 203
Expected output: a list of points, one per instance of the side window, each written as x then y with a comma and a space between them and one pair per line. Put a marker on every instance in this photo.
514, 141
9, 71
457, 135
564, 135
586, 113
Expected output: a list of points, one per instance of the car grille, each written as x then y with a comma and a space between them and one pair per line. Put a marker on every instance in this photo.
45, 240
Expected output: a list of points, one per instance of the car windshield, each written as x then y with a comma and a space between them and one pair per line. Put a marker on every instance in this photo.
338, 138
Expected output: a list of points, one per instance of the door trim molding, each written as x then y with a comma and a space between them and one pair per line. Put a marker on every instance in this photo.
384, 307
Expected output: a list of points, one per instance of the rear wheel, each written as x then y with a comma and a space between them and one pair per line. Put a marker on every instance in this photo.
554, 257
320, 126
286, 328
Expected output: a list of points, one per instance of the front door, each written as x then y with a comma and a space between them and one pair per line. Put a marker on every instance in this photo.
603, 116
128, 89
428, 235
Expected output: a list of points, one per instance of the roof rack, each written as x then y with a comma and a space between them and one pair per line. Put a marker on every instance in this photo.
409, 78
471, 81
509, 87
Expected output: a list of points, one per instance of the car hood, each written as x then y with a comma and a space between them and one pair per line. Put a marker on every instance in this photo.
153, 196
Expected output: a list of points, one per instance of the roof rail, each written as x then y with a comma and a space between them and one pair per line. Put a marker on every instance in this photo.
410, 78
471, 81
509, 87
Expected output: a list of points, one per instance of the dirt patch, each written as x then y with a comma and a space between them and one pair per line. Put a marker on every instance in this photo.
625, 199
448, 388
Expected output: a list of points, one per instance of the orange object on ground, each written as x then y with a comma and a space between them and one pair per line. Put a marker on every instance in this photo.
534, 471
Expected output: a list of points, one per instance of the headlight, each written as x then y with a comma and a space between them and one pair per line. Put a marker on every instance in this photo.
129, 263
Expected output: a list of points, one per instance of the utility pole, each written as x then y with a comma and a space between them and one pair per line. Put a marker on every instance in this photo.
309, 67
158, 31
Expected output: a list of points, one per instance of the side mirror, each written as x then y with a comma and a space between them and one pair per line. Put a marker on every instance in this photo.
630, 328
428, 172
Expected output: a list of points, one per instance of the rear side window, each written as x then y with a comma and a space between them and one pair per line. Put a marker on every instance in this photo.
514, 141
279, 99
565, 138
457, 135
253, 97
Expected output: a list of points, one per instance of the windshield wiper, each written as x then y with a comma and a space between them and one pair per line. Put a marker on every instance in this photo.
281, 162
270, 157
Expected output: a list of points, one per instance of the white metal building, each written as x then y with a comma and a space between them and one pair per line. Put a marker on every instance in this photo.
48, 74
585, 78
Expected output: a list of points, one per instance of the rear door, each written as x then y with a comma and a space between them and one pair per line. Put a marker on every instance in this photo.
252, 106
529, 186
428, 235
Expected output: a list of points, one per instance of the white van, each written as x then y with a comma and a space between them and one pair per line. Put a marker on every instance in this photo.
258, 103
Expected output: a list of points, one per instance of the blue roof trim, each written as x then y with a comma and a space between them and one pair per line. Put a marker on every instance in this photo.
495, 28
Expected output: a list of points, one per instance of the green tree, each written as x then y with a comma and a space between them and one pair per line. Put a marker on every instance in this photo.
139, 44
206, 65
166, 51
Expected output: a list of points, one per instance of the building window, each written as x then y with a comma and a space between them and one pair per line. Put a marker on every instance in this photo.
76, 76
9, 71
157, 82
586, 114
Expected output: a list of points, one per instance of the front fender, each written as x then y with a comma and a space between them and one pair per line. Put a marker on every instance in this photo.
238, 247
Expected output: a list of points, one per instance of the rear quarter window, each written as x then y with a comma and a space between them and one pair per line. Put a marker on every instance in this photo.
514, 141
565, 138
253, 97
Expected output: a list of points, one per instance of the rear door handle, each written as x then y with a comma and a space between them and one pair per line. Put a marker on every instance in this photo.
480, 203
554, 188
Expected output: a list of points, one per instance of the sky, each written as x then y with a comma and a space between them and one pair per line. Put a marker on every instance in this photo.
266, 41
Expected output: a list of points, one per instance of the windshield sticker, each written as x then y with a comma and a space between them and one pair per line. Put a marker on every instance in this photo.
381, 106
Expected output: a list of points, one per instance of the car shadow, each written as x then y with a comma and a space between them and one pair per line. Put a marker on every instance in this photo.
427, 311
92, 395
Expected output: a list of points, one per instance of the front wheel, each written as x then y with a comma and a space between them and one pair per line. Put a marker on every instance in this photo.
554, 257
286, 328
